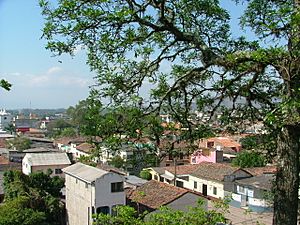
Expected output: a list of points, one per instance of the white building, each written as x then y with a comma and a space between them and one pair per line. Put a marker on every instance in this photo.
42, 162
5, 119
90, 190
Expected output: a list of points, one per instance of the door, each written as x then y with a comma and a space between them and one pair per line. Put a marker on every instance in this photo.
204, 189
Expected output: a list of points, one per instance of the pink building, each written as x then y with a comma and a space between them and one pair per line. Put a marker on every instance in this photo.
225, 143
207, 155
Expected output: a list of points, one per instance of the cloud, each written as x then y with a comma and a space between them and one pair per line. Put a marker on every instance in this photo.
78, 49
54, 70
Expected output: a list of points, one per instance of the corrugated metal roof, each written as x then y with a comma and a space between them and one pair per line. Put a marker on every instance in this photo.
84, 172
40, 159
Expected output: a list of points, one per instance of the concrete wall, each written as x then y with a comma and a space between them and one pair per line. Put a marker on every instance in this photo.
79, 198
103, 194
219, 187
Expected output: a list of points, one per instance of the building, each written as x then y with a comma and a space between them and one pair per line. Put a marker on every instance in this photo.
90, 190
207, 179
154, 194
207, 155
5, 119
42, 162
252, 193
226, 144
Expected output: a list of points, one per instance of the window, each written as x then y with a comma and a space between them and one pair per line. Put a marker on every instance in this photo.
103, 209
195, 185
179, 183
155, 177
117, 187
58, 171
241, 189
161, 179
86, 185
215, 191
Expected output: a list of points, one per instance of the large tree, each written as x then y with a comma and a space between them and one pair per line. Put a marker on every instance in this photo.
184, 49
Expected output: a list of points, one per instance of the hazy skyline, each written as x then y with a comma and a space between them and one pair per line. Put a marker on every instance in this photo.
39, 80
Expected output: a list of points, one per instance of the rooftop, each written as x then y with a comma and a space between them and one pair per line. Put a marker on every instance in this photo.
214, 171
40, 159
262, 182
84, 172
154, 194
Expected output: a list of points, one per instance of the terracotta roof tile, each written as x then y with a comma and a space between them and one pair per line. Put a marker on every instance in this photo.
225, 141
85, 147
258, 171
214, 171
154, 194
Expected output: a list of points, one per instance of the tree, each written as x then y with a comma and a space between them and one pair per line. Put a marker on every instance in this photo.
18, 143
56, 127
37, 196
145, 174
18, 212
247, 159
130, 42
117, 161
194, 216
5, 84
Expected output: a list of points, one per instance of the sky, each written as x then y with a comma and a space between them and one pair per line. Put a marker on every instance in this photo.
39, 80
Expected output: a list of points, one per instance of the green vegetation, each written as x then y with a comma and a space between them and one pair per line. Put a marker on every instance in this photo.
129, 43
32, 199
195, 216
246, 159
145, 174
18, 143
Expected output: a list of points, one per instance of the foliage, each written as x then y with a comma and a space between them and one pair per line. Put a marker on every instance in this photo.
56, 127
247, 159
19, 212
130, 42
40, 191
117, 161
145, 174
18, 143
194, 216
68, 132
5, 84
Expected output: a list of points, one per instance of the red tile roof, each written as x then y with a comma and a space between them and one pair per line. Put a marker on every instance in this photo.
154, 194
85, 147
225, 142
214, 171
258, 171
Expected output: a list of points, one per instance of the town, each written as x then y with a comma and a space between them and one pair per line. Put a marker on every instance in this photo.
175, 173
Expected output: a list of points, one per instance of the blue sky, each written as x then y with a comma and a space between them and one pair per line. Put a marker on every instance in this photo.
39, 80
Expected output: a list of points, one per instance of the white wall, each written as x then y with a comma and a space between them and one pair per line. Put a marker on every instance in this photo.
210, 186
103, 194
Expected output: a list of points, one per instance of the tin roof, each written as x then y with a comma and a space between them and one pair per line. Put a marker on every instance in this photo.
40, 159
84, 172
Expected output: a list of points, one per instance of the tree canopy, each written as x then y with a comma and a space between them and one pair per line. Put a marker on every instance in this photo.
36, 195
185, 51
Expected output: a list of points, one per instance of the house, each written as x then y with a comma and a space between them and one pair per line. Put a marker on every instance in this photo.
252, 193
5, 119
226, 144
214, 155
166, 174
35, 162
90, 190
154, 194
209, 179
205, 178
133, 182
183, 151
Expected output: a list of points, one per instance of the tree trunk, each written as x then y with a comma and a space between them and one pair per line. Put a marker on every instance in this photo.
287, 177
